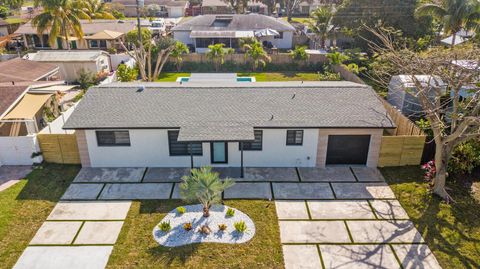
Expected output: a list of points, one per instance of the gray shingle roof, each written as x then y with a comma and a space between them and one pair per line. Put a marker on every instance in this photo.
315, 105
240, 22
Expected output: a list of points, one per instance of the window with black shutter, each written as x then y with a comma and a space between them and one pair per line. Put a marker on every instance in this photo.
182, 148
294, 137
113, 138
253, 145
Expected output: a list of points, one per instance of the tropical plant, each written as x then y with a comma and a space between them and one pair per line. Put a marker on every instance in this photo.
245, 41
61, 18
321, 25
164, 226
299, 53
177, 53
354, 68
454, 15
240, 226
204, 186
95, 9
216, 53
126, 74
181, 210
4, 11
230, 212
336, 57
86, 79
258, 55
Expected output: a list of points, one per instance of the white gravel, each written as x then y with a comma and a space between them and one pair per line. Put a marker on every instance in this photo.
177, 236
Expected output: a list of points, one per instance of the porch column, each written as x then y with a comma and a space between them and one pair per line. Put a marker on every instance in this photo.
191, 155
241, 159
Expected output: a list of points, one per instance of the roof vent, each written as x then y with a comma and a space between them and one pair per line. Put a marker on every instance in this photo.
141, 88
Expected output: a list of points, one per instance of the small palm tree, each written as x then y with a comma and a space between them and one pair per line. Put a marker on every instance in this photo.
336, 57
60, 18
95, 9
321, 24
299, 53
179, 50
258, 55
454, 15
216, 53
205, 187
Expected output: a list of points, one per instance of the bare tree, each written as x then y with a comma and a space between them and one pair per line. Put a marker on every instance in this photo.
454, 119
292, 5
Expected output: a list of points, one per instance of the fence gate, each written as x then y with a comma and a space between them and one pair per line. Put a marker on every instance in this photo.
59, 148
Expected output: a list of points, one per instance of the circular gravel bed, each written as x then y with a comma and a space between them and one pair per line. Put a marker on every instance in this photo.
177, 236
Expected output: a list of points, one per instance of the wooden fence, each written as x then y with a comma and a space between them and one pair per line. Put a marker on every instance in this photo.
404, 125
59, 148
238, 58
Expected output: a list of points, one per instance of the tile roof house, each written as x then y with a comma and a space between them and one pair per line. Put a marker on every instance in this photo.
201, 31
98, 34
168, 8
289, 124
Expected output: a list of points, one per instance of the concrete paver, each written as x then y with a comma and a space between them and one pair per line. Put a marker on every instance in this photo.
327, 174
416, 256
165, 174
90, 210
56, 233
301, 257
383, 231
114, 174
302, 191
85, 191
99, 232
366, 174
389, 209
313, 232
229, 172
363, 191
340, 210
55, 257
176, 191
358, 256
290, 209
271, 174
136, 191
256, 190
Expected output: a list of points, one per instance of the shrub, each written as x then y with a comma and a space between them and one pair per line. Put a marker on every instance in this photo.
164, 226
299, 53
86, 79
240, 226
126, 74
187, 226
181, 210
430, 171
230, 212
222, 227
465, 158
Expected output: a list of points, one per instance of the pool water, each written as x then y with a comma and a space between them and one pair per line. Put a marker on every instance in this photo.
239, 79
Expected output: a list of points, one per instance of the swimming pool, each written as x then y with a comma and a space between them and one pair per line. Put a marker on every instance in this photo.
239, 79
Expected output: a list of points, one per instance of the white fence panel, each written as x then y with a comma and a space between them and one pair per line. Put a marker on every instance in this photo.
17, 150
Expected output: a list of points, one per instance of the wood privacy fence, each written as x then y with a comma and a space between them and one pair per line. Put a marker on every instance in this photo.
238, 58
59, 148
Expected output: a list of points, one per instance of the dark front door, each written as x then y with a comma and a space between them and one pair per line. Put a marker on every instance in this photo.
219, 152
348, 149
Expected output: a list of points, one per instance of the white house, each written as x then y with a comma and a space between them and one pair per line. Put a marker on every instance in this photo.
204, 30
167, 8
288, 124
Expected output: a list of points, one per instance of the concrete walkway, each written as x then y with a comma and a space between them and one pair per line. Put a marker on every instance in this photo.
12, 174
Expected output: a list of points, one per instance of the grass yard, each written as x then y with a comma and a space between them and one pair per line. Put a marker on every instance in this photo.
282, 76
452, 231
170, 77
14, 20
136, 247
303, 20
26, 205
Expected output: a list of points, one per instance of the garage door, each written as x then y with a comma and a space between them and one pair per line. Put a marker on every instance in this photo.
348, 149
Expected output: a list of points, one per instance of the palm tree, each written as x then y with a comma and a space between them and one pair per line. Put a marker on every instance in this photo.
321, 24
216, 53
61, 18
258, 55
205, 187
177, 52
95, 9
455, 15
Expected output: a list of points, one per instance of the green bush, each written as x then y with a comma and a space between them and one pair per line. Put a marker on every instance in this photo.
126, 74
86, 79
465, 158
230, 212
181, 210
164, 226
240, 226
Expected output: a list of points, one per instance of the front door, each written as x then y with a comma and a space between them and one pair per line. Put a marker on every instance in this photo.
219, 152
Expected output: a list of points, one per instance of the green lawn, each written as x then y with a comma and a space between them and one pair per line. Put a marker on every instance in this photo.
136, 248
26, 205
282, 76
303, 20
13, 20
452, 231
171, 77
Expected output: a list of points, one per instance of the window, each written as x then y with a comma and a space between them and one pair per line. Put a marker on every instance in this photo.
294, 137
113, 138
256, 144
182, 148
93, 43
279, 36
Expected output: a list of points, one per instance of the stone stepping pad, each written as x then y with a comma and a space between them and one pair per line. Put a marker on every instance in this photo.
90, 210
416, 256
382, 231
362, 191
289, 209
108, 175
249, 191
99, 232
313, 232
301, 256
56, 233
165, 174
340, 209
358, 256
368, 174
136, 191
302, 191
84, 191
56, 257
389, 209
328, 174
270, 174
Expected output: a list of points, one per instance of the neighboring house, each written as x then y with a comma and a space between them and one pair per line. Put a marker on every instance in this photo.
98, 34
307, 7
204, 30
3, 28
288, 124
221, 7
71, 63
19, 69
168, 8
